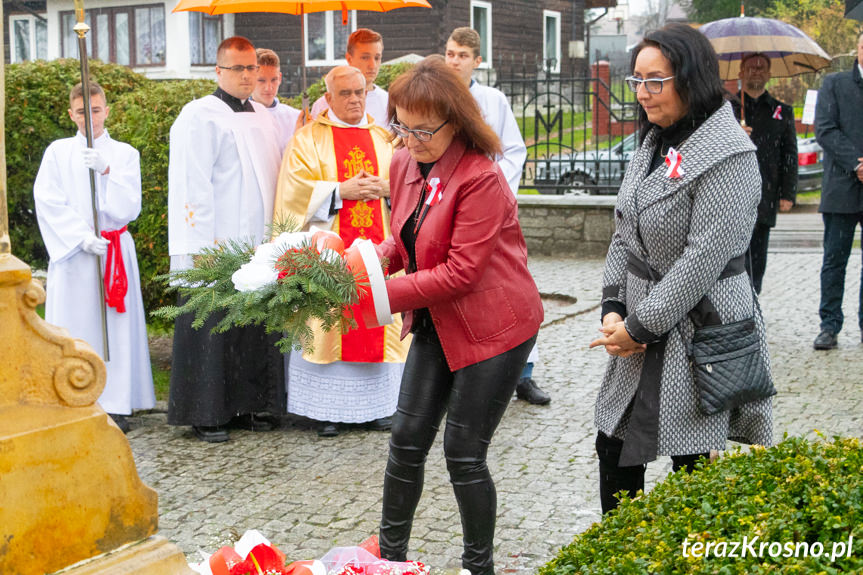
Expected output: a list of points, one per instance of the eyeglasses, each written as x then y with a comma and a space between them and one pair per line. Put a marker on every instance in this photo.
420, 135
239, 68
653, 85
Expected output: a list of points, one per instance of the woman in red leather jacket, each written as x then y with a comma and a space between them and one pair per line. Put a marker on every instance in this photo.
467, 297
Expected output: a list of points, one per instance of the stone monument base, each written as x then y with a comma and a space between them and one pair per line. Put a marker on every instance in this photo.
152, 556
69, 490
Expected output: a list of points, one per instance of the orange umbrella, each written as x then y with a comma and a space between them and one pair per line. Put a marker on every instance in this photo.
302, 7
298, 8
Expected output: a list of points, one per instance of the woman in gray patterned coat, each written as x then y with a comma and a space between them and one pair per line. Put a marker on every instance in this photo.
685, 213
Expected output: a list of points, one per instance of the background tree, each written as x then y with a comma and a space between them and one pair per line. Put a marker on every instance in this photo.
823, 20
703, 11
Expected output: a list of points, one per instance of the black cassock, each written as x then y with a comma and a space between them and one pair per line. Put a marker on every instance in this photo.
215, 377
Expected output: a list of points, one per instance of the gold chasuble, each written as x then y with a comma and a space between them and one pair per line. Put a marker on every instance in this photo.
321, 154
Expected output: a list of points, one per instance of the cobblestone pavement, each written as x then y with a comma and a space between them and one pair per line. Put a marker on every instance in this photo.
309, 494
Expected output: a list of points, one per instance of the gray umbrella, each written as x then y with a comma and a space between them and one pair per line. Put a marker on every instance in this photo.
854, 9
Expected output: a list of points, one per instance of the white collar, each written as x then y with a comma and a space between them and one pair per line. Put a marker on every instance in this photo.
104, 135
335, 119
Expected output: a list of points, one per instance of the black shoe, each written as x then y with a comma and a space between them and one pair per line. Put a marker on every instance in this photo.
380, 424
826, 340
210, 433
251, 422
528, 390
328, 429
121, 421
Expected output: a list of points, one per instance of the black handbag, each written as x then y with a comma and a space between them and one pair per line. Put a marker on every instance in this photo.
725, 358
728, 367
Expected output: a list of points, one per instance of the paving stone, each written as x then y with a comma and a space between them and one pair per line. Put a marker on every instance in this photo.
308, 494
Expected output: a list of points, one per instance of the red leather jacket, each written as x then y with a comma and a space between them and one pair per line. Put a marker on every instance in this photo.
471, 257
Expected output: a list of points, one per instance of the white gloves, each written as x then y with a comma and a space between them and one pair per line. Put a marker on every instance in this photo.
94, 245
95, 160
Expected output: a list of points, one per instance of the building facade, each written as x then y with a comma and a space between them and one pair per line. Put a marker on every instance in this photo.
518, 36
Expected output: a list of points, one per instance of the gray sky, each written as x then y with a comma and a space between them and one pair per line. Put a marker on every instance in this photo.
636, 6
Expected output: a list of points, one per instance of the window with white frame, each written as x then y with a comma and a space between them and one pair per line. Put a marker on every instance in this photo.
127, 35
551, 41
205, 35
327, 37
480, 20
28, 38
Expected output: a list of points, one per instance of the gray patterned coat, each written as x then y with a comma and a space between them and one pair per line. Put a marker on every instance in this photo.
687, 229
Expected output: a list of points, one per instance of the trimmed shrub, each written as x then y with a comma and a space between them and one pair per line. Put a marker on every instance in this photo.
794, 498
390, 72
315, 91
143, 119
37, 104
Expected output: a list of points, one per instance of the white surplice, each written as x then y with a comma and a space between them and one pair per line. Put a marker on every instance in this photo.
63, 208
498, 114
286, 122
221, 177
376, 106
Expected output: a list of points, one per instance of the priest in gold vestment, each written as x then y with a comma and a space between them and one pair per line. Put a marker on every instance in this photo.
335, 175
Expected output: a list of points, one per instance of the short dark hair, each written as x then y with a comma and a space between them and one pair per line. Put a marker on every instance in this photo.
77, 91
467, 37
238, 43
750, 55
267, 57
694, 65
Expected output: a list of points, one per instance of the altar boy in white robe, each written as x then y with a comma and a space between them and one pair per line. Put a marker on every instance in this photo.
267, 93
224, 160
64, 210
463, 56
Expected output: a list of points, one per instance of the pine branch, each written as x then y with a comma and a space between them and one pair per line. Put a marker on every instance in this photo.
311, 288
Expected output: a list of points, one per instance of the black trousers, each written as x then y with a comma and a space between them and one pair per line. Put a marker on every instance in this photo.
613, 478
839, 234
756, 259
474, 399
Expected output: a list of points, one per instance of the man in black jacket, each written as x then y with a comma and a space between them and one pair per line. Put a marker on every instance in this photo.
839, 130
770, 124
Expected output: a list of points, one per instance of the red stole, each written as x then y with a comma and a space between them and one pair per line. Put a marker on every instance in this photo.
355, 151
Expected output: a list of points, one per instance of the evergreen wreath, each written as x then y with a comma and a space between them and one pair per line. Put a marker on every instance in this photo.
311, 286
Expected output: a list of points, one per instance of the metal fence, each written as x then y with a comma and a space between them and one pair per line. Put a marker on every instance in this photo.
580, 131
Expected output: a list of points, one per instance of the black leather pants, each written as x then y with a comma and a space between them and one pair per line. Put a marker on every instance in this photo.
613, 478
474, 399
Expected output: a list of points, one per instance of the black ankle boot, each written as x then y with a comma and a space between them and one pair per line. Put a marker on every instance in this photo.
528, 390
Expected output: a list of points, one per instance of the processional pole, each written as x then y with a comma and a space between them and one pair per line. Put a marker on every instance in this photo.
81, 28
5, 244
305, 99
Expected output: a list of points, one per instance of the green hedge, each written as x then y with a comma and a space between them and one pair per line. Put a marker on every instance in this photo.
798, 492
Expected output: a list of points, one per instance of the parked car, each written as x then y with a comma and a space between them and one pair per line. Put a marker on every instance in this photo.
809, 166
597, 171
601, 171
